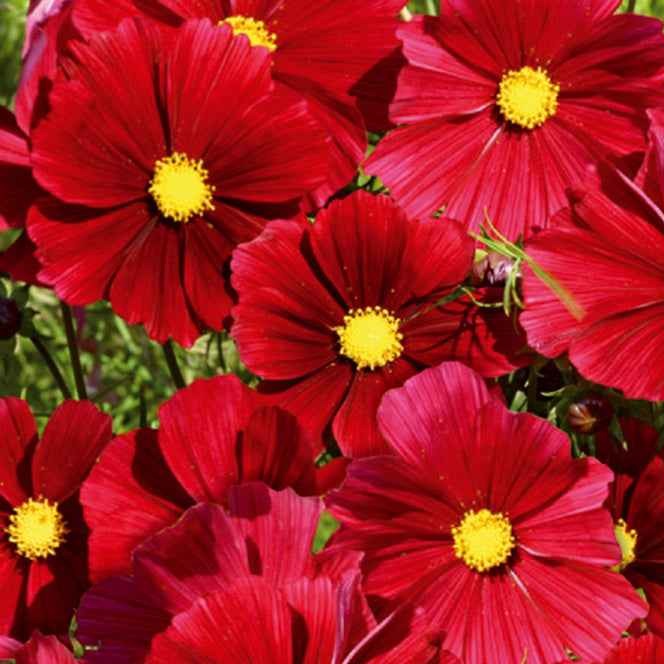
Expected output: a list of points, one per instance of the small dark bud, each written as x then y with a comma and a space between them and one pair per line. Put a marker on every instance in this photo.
10, 318
590, 414
492, 270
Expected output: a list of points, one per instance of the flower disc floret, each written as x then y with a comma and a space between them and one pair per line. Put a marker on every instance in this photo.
627, 541
255, 30
370, 337
483, 540
527, 97
36, 528
180, 187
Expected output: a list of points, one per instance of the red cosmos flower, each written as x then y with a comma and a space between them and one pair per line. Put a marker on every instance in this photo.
18, 190
320, 51
213, 434
174, 170
505, 103
483, 516
648, 649
334, 314
607, 252
636, 502
43, 549
38, 650
233, 568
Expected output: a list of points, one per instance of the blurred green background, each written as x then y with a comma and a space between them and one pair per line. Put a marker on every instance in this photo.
127, 374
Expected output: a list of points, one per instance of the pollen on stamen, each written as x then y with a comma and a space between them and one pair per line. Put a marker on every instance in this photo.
255, 30
626, 539
483, 540
370, 337
527, 97
180, 187
36, 528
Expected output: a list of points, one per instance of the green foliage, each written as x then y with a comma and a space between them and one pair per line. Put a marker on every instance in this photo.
12, 25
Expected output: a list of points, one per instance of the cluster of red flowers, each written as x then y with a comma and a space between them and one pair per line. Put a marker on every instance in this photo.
195, 163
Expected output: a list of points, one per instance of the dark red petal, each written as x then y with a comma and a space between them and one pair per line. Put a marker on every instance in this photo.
44, 650
20, 262
149, 288
485, 339
278, 529
201, 553
651, 176
648, 649
128, 496
18, 435
122, 618
355, 427
13, 571
205, 254
72, 441
250, 622
9, 647
287, 311
199, 432
444, 399
61, 232
273, 152
98, 145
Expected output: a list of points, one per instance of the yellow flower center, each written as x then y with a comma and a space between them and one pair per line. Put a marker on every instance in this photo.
36, 528
256, 31
180, 187
483, 540
528, 97
627, 542
370, 337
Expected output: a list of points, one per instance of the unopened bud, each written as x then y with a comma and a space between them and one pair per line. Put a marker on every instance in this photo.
10, 318
492, 270
590, 414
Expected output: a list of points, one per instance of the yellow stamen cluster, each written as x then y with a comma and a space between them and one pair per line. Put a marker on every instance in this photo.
180, 187
527, 97
36, 528
255, 30
627, 541
370, 337
483, 540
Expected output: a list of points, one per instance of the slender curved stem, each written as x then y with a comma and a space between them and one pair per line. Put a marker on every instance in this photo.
631, 5
171, 361
52, 366
74, 355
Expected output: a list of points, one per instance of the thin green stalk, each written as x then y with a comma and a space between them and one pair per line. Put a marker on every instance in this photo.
74, 355
52, 366
431, 7
174, 369
631, 5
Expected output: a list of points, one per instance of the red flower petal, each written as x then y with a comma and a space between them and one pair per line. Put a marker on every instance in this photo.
18, 435
249, 623
44, 650
128, 496
20, 262
354, 426
12, 579
409, 417
72, 441
198, 435
647, 649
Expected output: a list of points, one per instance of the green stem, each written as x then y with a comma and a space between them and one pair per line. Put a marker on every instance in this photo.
431, 7
631, 5
74, 355
52, 366
174, 369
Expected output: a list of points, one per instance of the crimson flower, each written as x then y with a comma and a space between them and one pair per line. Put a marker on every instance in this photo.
606, 251
482, 516
636, 501
212, 435
157, 174
321, 51
248, 569
43, 538
335, 313
39, 649
504, 103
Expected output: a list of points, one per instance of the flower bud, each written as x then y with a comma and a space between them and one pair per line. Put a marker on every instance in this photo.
492, 270
590, 414
10, 318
